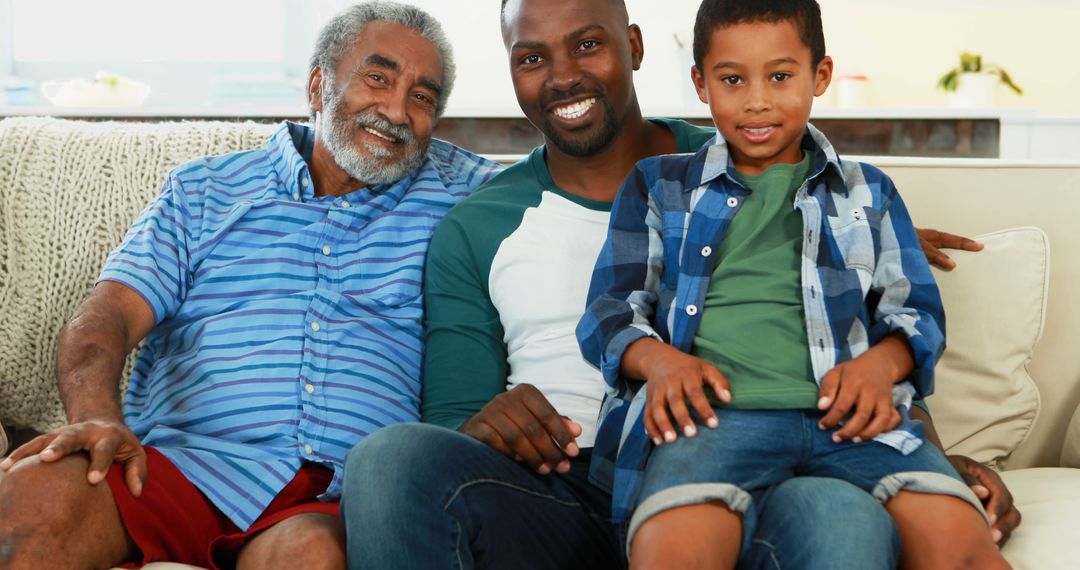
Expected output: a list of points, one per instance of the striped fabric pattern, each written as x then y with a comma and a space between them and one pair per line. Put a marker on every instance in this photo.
864, 276
288, 326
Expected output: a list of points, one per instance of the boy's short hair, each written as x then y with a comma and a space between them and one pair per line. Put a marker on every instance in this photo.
805, 14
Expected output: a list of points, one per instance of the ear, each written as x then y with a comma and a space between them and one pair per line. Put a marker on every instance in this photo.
823, 76
637, 45
315, 90
699, 83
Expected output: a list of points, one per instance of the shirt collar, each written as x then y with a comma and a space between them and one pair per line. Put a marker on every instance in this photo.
290, 149
713, 160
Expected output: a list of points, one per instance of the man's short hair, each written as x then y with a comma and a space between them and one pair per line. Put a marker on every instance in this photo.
339, 34
502, 10
805, 14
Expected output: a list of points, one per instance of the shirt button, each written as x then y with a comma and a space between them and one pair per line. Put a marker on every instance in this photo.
326, 250
706, 251
732, 202
315, 327
304, 182
296, 196
691, 310
308, 449
309, 388
345, 204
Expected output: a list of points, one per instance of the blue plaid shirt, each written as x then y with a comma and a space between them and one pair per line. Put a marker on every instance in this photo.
864, 276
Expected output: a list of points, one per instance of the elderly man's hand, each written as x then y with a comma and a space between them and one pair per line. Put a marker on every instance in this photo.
523, 425
991, 490
106, 442
933, 241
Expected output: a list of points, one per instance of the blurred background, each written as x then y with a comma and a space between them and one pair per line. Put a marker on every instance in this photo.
248, 58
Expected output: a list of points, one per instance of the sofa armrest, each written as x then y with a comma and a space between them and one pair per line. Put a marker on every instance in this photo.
1070, 451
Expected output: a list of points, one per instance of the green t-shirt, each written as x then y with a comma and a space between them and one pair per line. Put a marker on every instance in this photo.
752, 324
506, 283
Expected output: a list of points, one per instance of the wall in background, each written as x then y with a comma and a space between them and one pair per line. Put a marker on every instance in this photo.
903, 47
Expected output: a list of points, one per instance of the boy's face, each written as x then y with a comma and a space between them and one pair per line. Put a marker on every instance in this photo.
759, 82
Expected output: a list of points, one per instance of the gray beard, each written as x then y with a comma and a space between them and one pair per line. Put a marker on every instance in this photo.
368, 163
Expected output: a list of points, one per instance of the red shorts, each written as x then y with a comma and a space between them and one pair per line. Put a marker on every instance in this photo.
173, 521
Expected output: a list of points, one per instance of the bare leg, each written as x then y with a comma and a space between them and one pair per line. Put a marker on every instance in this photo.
939, 531
311, 541
707, 536
51, 517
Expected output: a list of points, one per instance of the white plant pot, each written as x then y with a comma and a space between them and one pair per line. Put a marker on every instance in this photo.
975, 91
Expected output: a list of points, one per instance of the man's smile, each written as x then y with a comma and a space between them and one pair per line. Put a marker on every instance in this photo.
574, 110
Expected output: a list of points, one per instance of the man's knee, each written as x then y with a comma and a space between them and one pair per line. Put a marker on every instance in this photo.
45, 503
791, 524
303, 541
396, 453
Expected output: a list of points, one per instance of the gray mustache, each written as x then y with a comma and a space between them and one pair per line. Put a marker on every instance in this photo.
381, 123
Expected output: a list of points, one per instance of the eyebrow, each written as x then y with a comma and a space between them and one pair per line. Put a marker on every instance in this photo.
569, 36
778, 61
384, 62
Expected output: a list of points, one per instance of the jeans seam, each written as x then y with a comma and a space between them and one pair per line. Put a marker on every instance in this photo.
457, 551
460, 488
772, 551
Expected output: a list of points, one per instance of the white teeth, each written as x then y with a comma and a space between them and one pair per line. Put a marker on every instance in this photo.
576, 110
378, 134
758, 131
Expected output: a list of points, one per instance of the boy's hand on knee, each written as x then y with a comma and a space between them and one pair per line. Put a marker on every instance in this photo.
673, 378
856, 391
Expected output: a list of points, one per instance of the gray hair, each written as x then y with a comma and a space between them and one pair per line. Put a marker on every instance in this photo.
338, 35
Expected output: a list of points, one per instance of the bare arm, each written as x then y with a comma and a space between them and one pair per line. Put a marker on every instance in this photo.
92, 348
90, 359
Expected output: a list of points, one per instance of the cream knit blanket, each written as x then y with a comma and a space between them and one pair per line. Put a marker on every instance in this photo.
68, 192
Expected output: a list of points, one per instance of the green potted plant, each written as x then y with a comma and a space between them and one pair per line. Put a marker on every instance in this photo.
973, 83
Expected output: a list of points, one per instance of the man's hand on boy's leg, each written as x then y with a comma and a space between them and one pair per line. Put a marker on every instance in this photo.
671, 378
991, 490
933, 241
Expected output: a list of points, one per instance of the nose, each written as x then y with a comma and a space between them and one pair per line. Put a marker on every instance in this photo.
565, 74
394, 104
758, 98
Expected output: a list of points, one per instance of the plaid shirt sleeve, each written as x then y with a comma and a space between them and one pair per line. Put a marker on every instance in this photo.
909, 302
623, 293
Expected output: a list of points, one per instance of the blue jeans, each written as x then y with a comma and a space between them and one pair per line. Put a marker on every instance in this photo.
418, 496
752, 451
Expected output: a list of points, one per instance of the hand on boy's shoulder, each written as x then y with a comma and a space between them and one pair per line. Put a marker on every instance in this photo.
933, 241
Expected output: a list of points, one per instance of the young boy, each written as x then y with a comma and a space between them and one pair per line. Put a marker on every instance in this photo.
791, 284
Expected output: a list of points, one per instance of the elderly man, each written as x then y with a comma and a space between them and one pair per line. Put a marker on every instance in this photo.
277, 292
507, 485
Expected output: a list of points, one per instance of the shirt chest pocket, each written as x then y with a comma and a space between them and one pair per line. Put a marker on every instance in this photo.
856, 232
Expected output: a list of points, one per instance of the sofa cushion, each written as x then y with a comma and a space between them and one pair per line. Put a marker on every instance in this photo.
1070, 451
985, 401
1048, 498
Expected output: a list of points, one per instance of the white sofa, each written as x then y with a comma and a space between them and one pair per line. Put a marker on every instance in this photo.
68, 191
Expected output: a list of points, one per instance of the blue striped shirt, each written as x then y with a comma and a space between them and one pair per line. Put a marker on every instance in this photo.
864, 276
288, 326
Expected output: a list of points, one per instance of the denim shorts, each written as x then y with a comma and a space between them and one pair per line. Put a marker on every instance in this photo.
751, 451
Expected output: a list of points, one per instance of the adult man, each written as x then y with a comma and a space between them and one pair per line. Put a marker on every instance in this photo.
278, 294
507, 278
